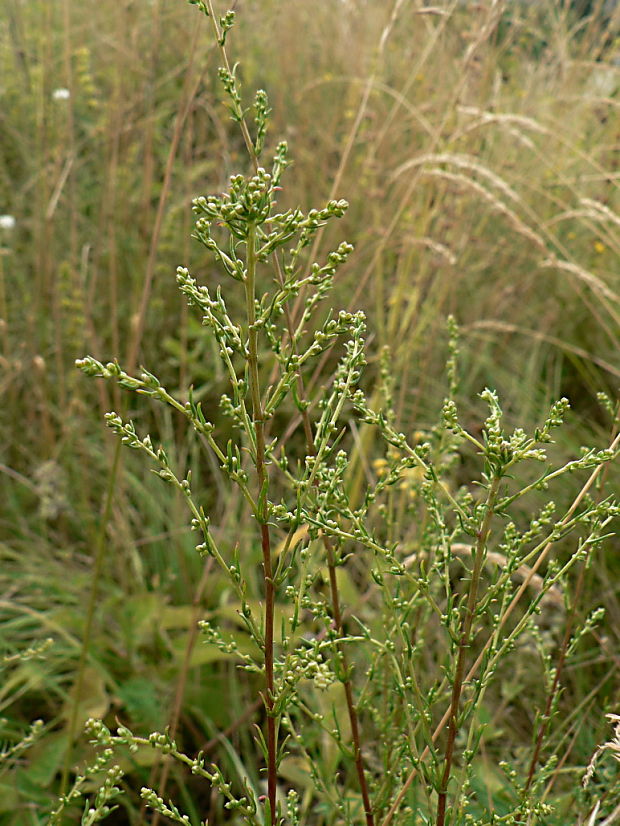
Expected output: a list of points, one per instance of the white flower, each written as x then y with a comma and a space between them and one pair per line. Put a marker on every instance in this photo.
61, 94
7, 222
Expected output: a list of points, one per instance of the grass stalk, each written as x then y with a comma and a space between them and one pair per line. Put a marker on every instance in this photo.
100, 549
189, 93
353, 133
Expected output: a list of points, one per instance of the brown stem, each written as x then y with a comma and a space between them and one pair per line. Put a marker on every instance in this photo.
348, 689
260, 462
464, 644
259, 425
544, 721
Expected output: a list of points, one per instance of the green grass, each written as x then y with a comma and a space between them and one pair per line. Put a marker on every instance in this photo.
478, 150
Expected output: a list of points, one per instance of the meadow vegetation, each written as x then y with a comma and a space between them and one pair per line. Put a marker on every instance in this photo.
406, 558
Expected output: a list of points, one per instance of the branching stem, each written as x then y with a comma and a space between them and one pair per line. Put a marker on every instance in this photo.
464, 644
546, 716
348, 688
259, 425
226, 63
334, 591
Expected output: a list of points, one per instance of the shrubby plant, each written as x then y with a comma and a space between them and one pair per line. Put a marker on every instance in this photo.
376, 711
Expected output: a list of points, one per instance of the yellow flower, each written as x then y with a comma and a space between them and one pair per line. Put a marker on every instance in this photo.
599, 247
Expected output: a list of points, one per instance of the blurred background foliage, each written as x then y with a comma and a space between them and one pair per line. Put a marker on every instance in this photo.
478, 146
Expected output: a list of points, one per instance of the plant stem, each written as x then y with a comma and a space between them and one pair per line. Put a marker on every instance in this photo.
502, 621
570, 624
464, 644
262, 513
335, 596
259, 427
546, 716
245, 132
346, 683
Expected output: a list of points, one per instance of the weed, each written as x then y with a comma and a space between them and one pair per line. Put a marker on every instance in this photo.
477, 145
414, 732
